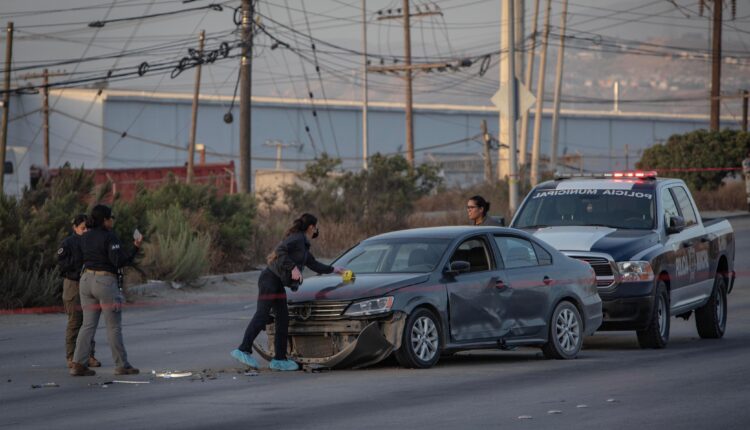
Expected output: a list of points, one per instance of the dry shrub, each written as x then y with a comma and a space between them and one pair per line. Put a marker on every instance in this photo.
729, 197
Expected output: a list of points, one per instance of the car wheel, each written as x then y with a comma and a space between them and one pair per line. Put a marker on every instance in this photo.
565, 333
711, 318
422, 341
656, 335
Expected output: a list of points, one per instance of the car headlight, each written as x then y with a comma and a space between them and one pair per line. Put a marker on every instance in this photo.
635, 271
370, 307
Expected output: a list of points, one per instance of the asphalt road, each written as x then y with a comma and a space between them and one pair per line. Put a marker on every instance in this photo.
613, 384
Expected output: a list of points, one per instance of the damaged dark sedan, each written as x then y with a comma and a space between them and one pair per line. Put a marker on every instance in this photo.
423, 293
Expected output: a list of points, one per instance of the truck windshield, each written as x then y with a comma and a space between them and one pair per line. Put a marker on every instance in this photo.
625, 209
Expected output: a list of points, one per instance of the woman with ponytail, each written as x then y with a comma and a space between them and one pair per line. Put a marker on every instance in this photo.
285, 266
478, 210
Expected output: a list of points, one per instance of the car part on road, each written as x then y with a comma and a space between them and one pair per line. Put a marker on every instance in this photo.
656, 335
422, 341
711, 318
45, 385
565, 332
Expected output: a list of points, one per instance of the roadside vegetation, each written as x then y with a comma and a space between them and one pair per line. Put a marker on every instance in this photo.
192, 230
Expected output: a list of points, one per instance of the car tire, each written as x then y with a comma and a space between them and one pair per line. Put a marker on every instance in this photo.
711, 318
422, 342
565, 333
656, 335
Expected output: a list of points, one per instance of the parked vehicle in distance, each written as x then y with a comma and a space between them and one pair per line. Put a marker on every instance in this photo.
653, 254
425, 292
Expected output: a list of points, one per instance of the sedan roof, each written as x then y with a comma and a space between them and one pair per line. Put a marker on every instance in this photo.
447, 232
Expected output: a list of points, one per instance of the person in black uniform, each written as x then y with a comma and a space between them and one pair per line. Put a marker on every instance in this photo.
284, 269
102, 257
70, 260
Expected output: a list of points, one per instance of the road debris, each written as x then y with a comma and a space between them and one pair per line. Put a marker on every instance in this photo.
525, 417
315, 368
554, 412
46, 385
582, 406
612, 401
171, 374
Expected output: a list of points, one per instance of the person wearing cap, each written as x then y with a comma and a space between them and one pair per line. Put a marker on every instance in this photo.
70, 260
284, 269
103, 255
478, 210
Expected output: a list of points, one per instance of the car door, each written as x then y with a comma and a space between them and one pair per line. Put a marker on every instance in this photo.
694, 279
529, 276
477, 298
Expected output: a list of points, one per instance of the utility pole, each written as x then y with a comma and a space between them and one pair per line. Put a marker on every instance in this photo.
409, 92
536, 145
523, 142
365, 152
510, 107
558, 89
45, 75
408, 68
280, 145
716, 66
6, 103
487, 139
745, 96
246, 69
627, 157
194, 118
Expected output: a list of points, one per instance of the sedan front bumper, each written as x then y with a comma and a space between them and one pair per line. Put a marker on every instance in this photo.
339, 343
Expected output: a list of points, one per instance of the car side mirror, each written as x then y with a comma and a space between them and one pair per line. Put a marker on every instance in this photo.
675, 225
8, 168
457, 267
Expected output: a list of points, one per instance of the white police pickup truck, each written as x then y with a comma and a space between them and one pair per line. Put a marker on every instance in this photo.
653, 255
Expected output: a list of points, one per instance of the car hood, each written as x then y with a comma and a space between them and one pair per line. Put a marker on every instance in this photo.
621, 244
331, 287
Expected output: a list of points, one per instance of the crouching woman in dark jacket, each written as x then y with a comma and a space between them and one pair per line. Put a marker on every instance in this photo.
284, 269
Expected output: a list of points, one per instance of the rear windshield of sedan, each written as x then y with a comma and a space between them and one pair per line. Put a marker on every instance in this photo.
624, 209
394, 256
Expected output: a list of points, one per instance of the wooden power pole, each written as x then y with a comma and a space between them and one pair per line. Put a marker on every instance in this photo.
487, 140
194, 117
716, 66
408, 69
536, 144
6, 103
558, 89
45, 75
246, 69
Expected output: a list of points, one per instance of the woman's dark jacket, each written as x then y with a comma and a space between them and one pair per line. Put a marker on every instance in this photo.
293, 251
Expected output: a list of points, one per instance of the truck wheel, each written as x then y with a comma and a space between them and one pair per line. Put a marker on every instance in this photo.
711, 318
421, 344
656, 335
565, 333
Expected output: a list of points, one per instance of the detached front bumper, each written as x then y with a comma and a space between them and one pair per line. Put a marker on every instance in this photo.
339, 343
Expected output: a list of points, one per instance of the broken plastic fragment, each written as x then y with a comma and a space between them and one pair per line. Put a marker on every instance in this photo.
250, 373
612, 400
554, 412
45, 385
172, 374
525, 417
582, 406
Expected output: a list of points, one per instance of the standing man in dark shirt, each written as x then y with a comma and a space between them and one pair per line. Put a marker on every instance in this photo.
102, 257
70, 259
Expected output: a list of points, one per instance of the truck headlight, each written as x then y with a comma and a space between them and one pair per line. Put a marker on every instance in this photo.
635, 271
370, 307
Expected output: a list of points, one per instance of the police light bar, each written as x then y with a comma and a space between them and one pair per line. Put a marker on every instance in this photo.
649, 174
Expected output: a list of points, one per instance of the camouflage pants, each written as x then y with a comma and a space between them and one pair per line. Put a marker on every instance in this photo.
72, 304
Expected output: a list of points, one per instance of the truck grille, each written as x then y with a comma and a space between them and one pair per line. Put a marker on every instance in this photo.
605, 277
318, 310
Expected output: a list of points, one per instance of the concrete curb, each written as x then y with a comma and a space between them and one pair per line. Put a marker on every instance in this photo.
156, 286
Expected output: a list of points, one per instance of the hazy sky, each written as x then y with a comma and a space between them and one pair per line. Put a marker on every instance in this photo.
52, 31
